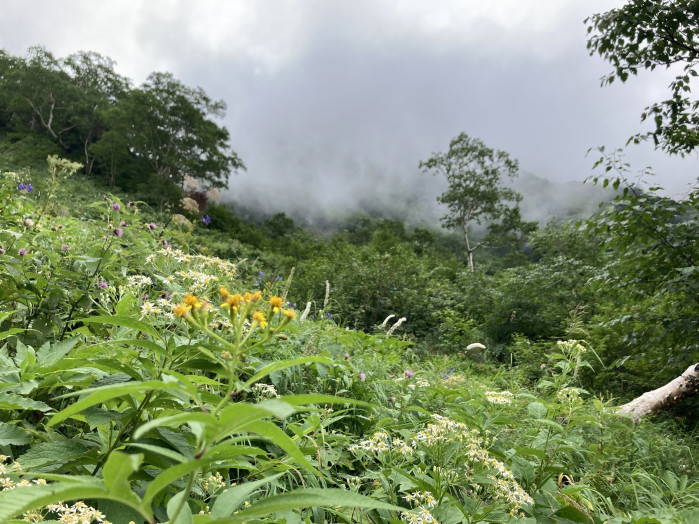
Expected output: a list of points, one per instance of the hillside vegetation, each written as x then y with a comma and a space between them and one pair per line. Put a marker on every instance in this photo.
163, 359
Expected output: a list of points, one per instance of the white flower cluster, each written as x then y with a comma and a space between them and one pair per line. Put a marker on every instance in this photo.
381, 441
502, 397
261, 390
568, 395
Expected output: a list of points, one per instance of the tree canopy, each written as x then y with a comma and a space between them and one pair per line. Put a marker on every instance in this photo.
645, 34
152, 135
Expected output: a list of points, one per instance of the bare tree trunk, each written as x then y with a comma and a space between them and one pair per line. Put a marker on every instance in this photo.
687, 384
468, 248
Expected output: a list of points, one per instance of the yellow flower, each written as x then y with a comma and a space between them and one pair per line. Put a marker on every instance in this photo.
260, 318
224, 293
181, 310
275, 302
233, 300
192, 301
289, 313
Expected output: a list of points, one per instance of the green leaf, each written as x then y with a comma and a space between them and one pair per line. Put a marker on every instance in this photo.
277, 436
319, 398
282, 364
231, 499
123, 321
10, 401
306, 498
12, 435
15, 502
176, 421
116, 472
102, 394
184, 516
57, 452
167, 477
537, 410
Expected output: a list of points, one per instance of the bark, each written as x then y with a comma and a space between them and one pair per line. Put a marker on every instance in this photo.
687, 384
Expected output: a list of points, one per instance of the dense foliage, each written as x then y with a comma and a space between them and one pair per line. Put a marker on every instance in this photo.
183, 365
148, 137
144, 382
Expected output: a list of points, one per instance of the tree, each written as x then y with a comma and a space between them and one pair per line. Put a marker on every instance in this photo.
100, 89
645, 34
171, 129
476, 192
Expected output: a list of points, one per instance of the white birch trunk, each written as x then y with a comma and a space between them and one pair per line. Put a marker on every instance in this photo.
685, 385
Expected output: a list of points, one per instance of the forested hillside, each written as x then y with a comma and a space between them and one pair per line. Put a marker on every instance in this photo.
165, 359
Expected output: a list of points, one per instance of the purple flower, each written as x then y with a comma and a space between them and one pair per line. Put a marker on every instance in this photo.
152, 225
102, 284
261, 274
206, 219
53, 228
30, 188
362, 377
118, 232
408, 373
346, 356
2, 251
21, 187
330, 315
166, 244
122, 223
278, 279
22, 252
65, 247
116, 206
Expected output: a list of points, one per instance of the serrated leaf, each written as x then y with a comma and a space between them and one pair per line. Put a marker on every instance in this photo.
10, 401
57, 452
537, 410
12, 435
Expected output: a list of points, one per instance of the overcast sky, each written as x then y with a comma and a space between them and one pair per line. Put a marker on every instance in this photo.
334, 101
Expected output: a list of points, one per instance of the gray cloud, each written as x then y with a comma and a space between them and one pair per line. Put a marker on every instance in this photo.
335, 103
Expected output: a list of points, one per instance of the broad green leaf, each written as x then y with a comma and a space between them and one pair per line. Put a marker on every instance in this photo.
116, 472
124, 321
282, 364
168, 476
306, 498
57, 452
176, 421
551, 423
537, 410
319, 398
276, 435
49, 354
231, 499
17, 501
178, 504
102, 394
13, 435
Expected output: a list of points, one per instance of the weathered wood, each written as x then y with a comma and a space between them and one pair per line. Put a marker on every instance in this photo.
687, 384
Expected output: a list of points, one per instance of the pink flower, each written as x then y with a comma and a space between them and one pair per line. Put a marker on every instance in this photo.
102, 284
346, 356
122, 223
362, 377
408, 373
22, 252
116, 206
152, 225
118, 232
65, 247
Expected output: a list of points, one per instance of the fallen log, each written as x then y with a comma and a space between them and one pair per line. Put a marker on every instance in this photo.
687, 384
